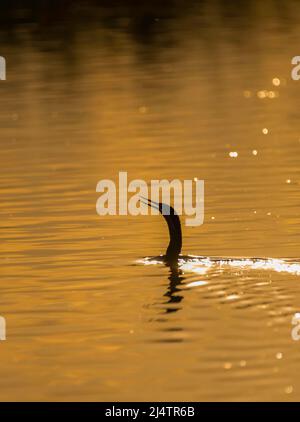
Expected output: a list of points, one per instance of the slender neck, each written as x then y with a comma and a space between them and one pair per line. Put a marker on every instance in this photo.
175, 244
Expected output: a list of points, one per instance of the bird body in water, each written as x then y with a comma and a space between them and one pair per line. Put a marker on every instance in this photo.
173, 258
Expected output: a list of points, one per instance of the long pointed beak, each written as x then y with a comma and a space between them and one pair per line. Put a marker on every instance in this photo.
150, 203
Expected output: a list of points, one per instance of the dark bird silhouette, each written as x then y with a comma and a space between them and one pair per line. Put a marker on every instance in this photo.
173, 221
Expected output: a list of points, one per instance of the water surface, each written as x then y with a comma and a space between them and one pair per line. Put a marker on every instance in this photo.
159, 94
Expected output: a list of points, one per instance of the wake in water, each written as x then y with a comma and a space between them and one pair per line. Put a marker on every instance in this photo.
201, 265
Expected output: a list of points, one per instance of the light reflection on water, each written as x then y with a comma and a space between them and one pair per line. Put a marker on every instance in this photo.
201, 265
187, 96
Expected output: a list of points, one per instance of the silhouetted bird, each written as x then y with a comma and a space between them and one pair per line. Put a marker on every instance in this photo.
173, 221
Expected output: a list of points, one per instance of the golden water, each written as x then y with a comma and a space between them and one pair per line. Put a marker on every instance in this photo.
85, 319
